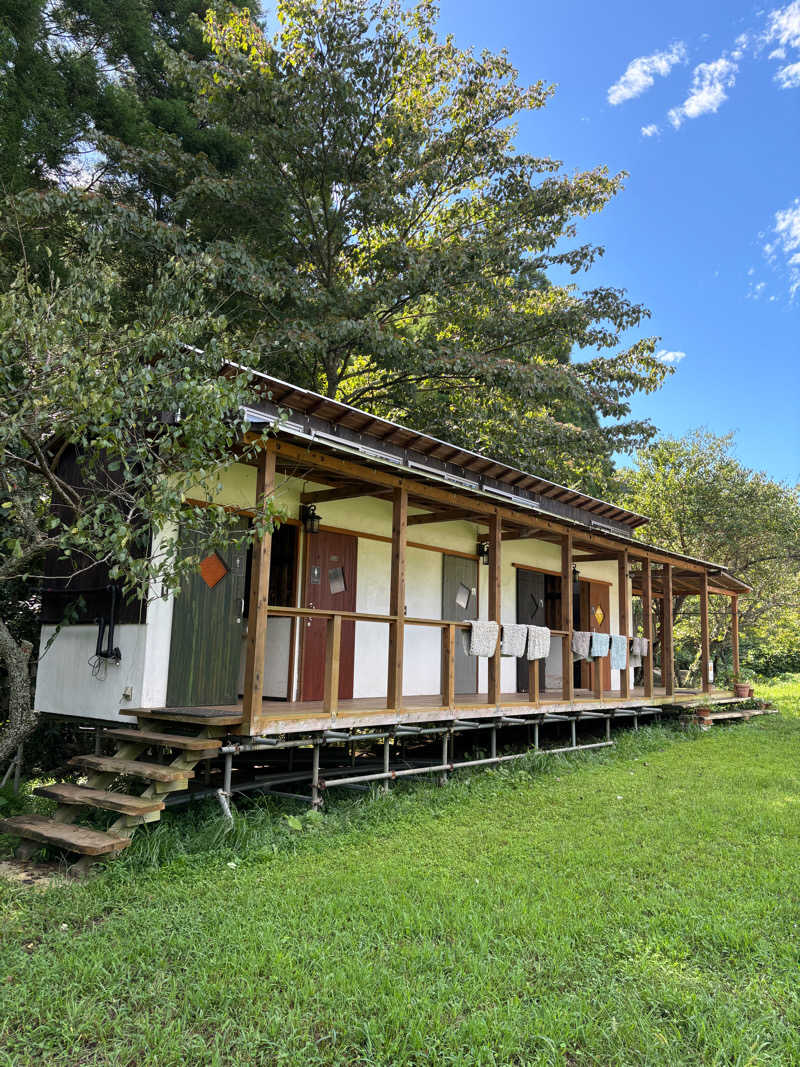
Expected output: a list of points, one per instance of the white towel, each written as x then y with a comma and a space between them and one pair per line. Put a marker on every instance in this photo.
483, 638
513, 639
538, 642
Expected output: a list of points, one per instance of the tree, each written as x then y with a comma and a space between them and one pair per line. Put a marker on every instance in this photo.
384, 242
703, 502
140, 404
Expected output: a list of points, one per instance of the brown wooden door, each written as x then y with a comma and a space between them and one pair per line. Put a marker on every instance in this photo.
595, 603
329, 583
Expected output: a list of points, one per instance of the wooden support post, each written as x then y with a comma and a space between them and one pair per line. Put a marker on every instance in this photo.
397, 598
567, 686
533, 681
449, 666
333, 648
495, 550
647, 628
705, 649
623, 566
259, 598
735, 633
667, 643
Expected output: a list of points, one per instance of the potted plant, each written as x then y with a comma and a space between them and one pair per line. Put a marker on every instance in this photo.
741, 688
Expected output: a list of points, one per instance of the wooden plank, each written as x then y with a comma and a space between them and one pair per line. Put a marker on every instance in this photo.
212, 716
495, 561
623, 566
567, 678
63, 835
449, 666
333, 648
647, 628
443, 516
397, 598
69, 793
705, 649
735, 633
154, 737
154, 772
346, 491
667, 638
259, 598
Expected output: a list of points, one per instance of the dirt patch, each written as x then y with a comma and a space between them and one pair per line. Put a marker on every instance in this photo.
32, 875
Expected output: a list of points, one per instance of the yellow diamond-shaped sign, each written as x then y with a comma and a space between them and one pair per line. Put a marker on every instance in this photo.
599, 615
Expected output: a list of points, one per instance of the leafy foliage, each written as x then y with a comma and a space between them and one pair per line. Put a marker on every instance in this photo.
140, 404
381, 239
703, 502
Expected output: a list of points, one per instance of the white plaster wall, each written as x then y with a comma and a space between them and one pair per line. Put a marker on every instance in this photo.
64, 681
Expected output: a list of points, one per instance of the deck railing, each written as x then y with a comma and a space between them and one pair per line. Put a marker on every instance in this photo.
448, 627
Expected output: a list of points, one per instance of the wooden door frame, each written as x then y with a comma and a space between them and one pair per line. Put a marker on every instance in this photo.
302, 593
478, 565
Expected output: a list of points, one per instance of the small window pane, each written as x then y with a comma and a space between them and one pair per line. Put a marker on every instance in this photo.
336, 582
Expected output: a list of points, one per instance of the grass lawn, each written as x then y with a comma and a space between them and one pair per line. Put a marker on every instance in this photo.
636, 906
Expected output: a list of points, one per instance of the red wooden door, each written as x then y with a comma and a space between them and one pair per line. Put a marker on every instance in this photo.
329, 583
600, 621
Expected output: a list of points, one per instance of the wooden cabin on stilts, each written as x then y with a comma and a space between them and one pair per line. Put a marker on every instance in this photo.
339, 650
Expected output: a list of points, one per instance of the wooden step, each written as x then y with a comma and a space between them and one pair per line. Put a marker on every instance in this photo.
151, 737
68, 793
153, 772
63, 835
220, 716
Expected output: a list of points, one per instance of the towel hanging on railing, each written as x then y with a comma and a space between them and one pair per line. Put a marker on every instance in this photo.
513, 639
619, 646
538, 642
600, 645
482, 638
581, 642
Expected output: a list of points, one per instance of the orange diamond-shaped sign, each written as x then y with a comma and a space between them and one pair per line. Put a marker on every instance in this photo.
599, 615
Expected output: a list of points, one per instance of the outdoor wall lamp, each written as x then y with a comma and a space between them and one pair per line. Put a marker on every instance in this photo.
483, 552
309, 518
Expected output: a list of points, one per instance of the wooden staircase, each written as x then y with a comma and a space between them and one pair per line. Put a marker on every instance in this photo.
179, 752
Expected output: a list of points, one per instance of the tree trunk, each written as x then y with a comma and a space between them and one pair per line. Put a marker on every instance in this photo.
21, 715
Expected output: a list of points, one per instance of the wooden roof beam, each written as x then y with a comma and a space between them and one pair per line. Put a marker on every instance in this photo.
444, 516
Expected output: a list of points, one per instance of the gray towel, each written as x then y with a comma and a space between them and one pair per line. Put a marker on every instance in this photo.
581, 641
637, 651
538, 642
513, 639
619, 646
600, 644
644, 645
483, 638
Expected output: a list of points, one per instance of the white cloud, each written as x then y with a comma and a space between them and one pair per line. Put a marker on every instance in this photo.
707, 94
641, 73
787, 243
789, 77
670, 358
649, 131
784, 25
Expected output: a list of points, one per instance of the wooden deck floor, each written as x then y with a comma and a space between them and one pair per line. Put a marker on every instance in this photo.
279, 716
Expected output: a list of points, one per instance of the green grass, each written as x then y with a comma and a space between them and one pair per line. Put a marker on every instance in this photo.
637, 906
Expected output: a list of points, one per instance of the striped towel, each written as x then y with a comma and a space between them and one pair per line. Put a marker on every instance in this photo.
538, 642
513, 639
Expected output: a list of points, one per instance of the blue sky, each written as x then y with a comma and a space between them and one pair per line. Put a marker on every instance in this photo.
707, 226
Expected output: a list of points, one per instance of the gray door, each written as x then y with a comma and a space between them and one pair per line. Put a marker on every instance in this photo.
459, 602
207, 625
531, 611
